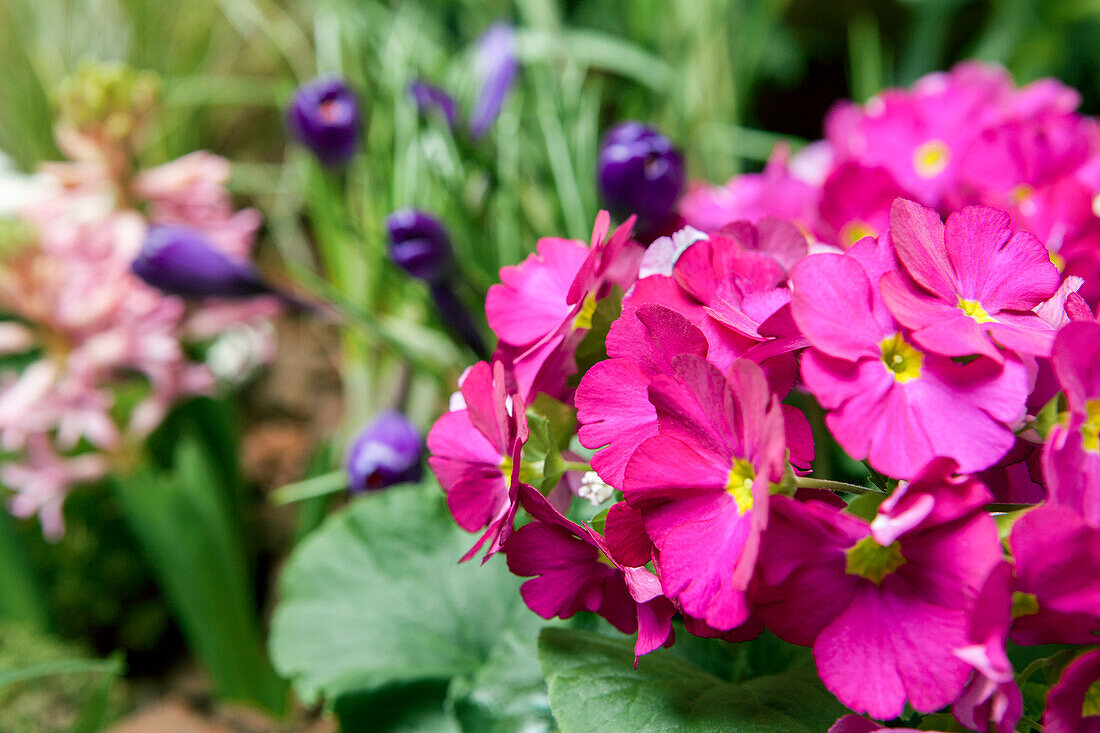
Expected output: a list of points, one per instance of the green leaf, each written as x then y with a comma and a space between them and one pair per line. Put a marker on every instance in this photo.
507, 694
418, 707
374, 598
593, 686
187, 530
561, 419
592, 347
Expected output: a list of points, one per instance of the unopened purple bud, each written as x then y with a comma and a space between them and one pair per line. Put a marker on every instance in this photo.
419, 244
639, 172
181, 261
496, 66
386, 452
431, 100
324, 116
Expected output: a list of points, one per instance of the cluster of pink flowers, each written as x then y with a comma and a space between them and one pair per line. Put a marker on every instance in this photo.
89, 325
952, 357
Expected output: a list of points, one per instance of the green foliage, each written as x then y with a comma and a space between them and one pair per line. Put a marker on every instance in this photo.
593, 686
373, 608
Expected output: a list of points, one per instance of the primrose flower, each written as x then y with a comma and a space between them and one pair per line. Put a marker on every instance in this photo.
386, 451
971, 285
543, 307
476, 455
1073, 705
1056, 598
1071, 454
883, 605
639, 172
577, 570
702, 483
856, 201
991, 696
430, 99
324, 116
889, 401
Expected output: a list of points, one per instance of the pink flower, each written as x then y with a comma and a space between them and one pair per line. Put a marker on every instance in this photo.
1057, 590
884, 605
1071, 454
856, 201
889, 401
476, 455
544, 306
859, 724
44, 479
1073, 705
576, 570
970, 286
991, 696
776, 192
702, 483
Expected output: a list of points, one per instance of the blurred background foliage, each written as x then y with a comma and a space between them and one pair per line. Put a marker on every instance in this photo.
726, 79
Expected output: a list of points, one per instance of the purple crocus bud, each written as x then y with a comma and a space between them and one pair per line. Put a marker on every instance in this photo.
496, 67
324, 117
181, 261
419, 244
386, 452
431, 100
639, 172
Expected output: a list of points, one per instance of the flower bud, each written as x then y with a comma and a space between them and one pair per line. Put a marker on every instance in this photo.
431, 100
419, 245
181, 261
386, 452
324, 117
639, 172
496, 66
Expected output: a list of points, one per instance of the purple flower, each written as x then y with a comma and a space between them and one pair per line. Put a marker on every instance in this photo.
430, 99
639, 172
419, 245
386, 452
181, 261
324, 116
1073, 705
496, 68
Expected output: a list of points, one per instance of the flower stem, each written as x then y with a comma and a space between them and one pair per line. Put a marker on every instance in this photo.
577, 466
807, 482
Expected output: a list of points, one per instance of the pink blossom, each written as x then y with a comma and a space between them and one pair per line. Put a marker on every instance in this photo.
889, 401
883, 605
971, 285
577, 570
1073, 705
43, 480
476, 455
702, 483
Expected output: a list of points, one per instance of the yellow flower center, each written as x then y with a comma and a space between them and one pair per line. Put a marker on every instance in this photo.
1058, 260
974, 309
931, 159
588, 309
506, 466
901, 359
1024, 604
1090, 431
1091, 705
739, 485
854, 231
868, 559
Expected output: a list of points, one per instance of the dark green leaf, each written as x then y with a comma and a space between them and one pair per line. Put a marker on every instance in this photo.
374, 598
592, 347
507, 694
593, 686
417, 707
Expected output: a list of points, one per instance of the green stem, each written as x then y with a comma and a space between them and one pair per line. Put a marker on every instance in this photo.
310, 488
577, 466
807, 482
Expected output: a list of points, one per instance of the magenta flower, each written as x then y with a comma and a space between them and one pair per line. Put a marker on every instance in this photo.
884, 606
577, 571
476, 455
544, 306
1057, 591
856, 201
702, 483
1073, 705
1071, 454
991, 696
859, 724
888, 401
968, 287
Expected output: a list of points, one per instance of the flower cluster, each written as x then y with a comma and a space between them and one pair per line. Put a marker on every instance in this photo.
84, 331
675, 386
